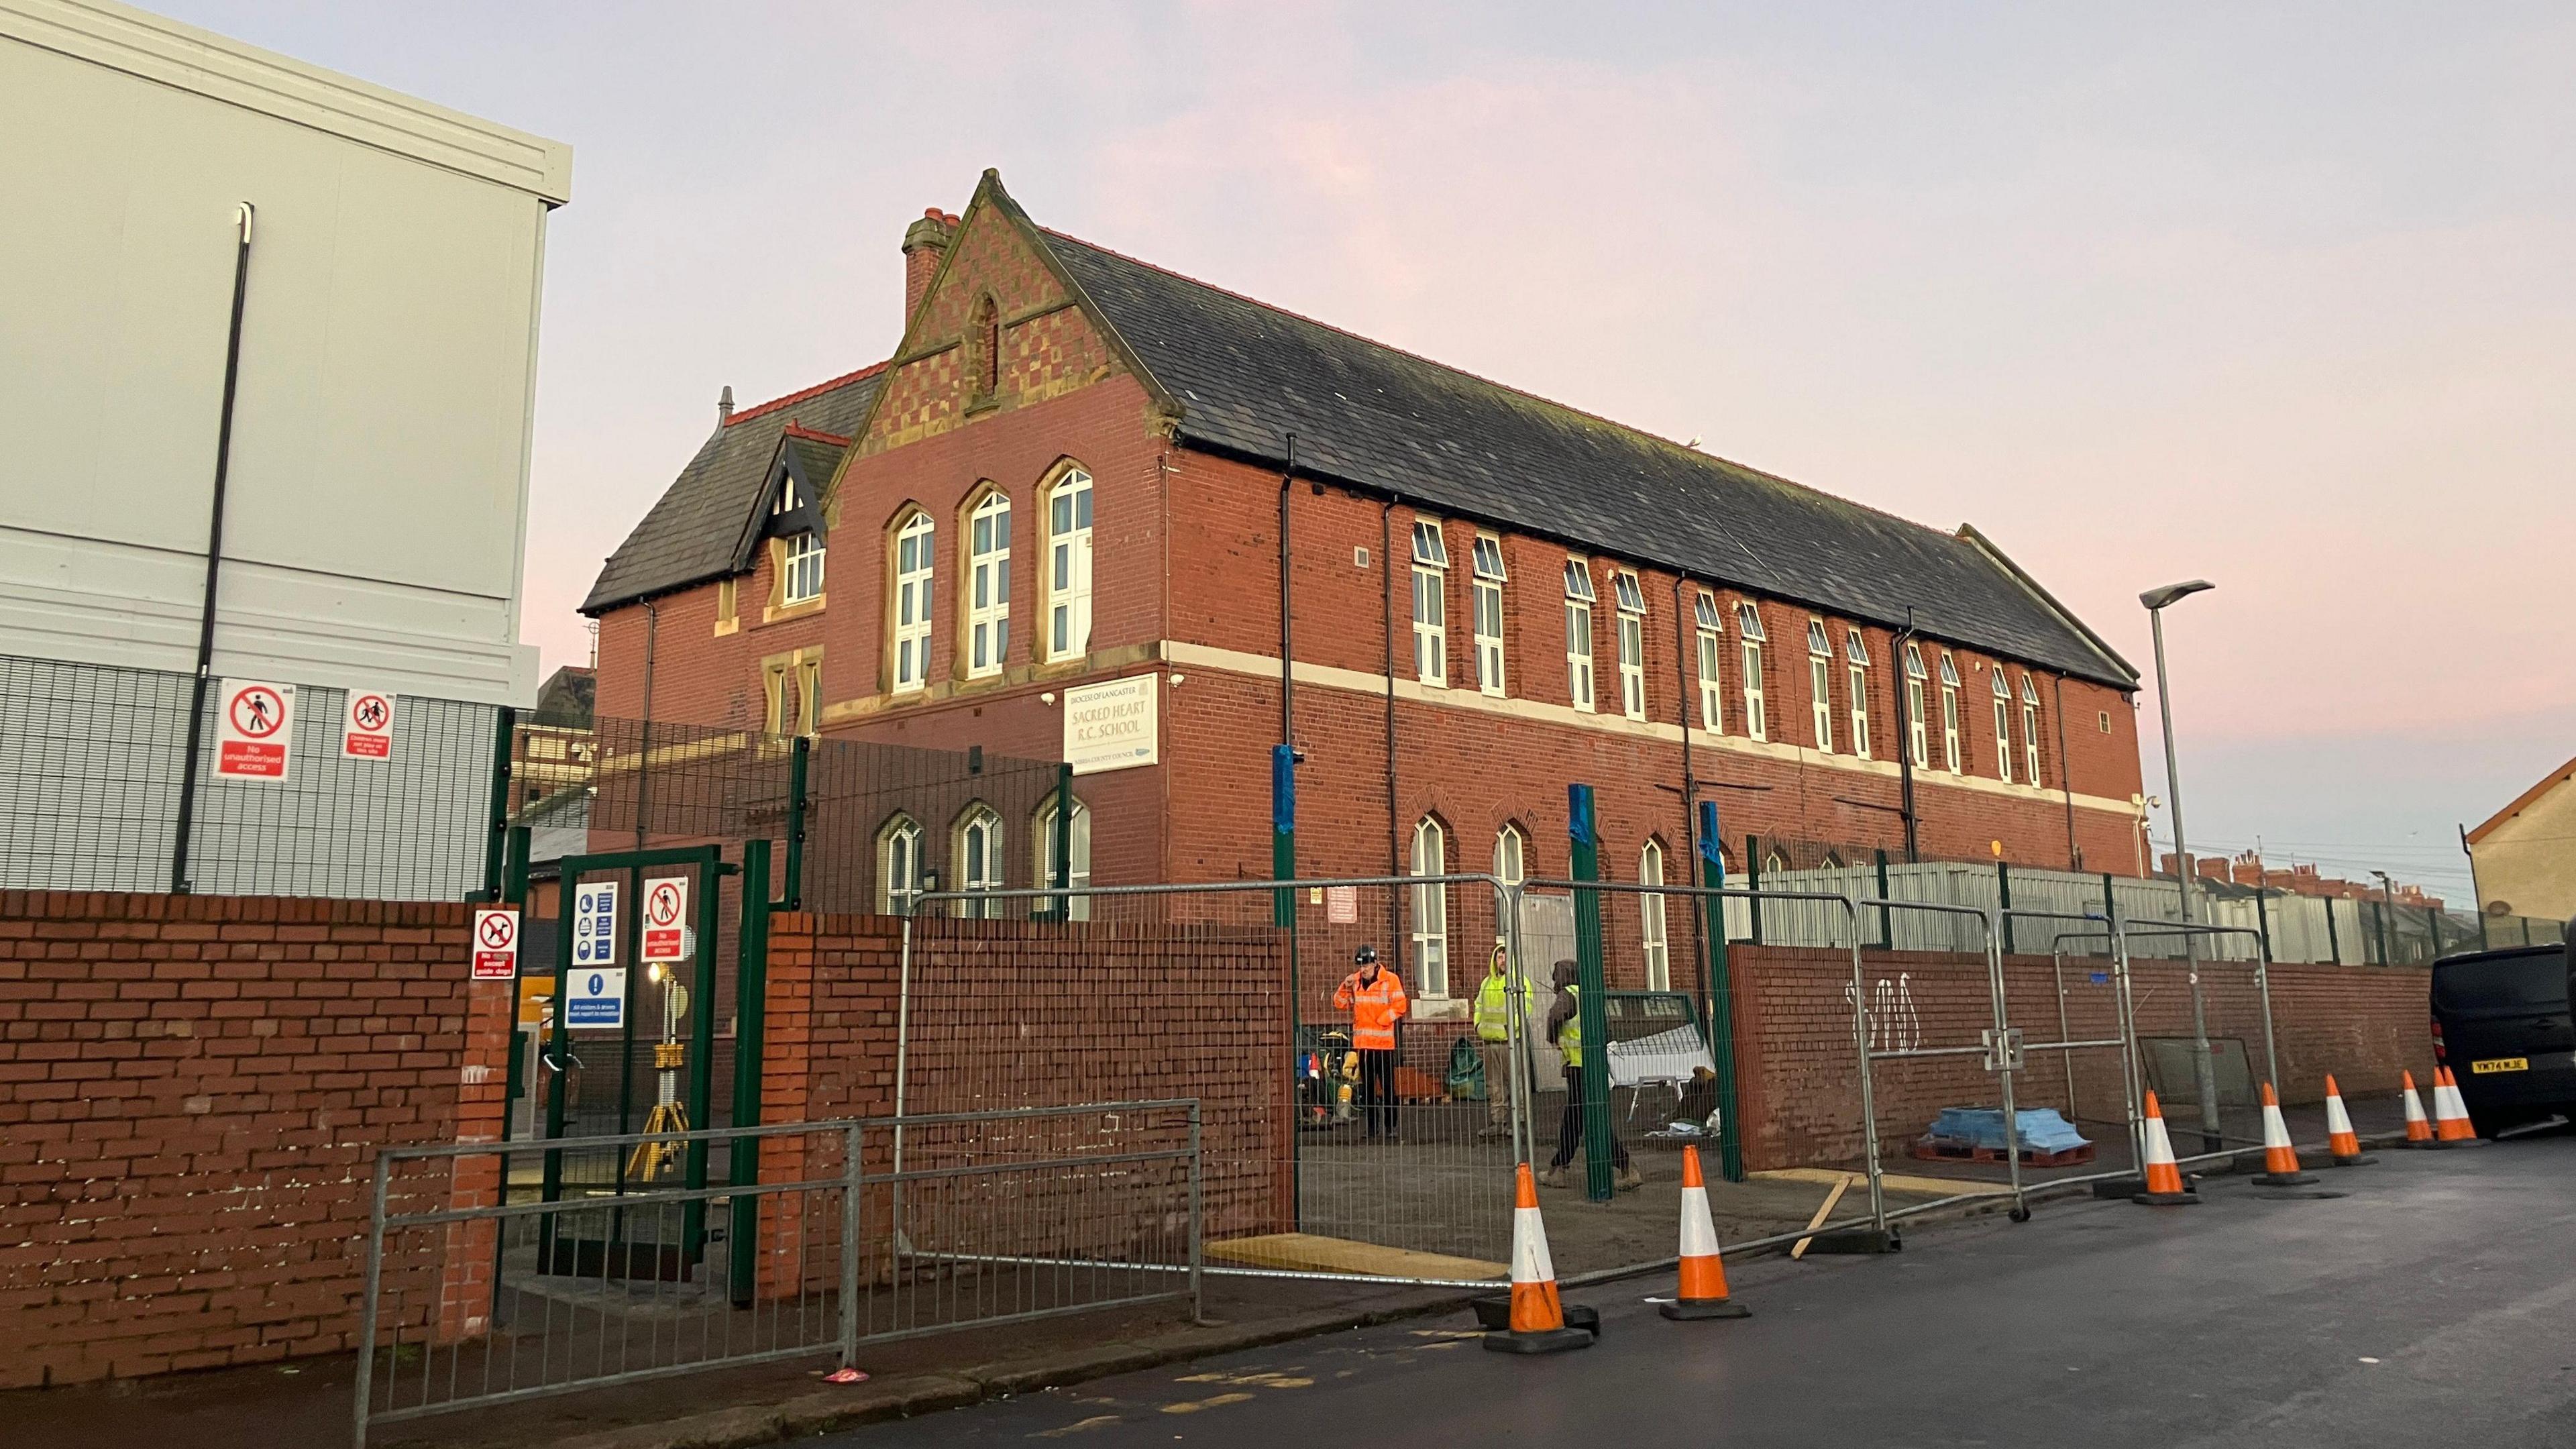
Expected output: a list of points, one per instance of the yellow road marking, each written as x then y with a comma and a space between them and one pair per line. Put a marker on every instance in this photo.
1220, 1401
1076, 1427
1268, 1379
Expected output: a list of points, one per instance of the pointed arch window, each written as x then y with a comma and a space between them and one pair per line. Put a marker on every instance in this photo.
988, 586
1511, 855
1068, 519
898, 866
1430, 910
979, 859
1748, 632
1650, 918
910, 618
1077, 875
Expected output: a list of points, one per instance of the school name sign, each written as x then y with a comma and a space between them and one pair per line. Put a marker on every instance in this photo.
1113, 726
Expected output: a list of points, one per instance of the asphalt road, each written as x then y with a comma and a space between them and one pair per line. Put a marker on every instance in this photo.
2435, 1303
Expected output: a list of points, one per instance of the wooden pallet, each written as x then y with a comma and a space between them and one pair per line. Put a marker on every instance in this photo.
1933, 1150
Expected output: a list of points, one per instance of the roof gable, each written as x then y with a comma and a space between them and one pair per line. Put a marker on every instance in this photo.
2564, 776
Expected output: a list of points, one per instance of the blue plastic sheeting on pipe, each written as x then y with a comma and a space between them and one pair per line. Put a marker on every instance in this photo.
2042, 1129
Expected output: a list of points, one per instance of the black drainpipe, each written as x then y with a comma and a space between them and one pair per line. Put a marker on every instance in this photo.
179, 882
644, 761
1287, 650
1905, 734
2066, 779
1684, 632
1394, 833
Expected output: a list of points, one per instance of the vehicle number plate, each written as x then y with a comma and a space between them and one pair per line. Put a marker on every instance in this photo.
2500, 1064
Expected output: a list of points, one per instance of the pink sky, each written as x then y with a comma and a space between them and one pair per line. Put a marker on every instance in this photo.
2275, 297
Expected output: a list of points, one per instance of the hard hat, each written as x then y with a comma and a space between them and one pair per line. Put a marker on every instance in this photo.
1364, 955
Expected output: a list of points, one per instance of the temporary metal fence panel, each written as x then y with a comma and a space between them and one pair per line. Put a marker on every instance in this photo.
1326, 1156
2211, 1099
999, 1217
2070, 1022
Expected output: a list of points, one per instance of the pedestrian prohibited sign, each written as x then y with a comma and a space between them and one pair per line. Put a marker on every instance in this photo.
596, 998
496, 944
666, 907
367, 727
594, 924
254, 731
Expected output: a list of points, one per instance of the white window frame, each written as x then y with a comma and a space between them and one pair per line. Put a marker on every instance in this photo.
2003, 727
1511, 855
1820, 684
2030, 733
898, 866
1488, 612
1748, 629
1077, 876
1430, 604
1430, 923
1632, 643
1918, 731
1856, 654
916, 539
988, 586
1712, 690
1068, 565
1950, 753
978, 848
1579, 600
800, 568
1652, 939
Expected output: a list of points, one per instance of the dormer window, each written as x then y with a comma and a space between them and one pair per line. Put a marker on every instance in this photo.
801, 569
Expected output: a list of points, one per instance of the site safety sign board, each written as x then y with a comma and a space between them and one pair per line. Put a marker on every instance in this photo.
596, 998
666, 910
367, 729
255, 731
594, 924
496, 944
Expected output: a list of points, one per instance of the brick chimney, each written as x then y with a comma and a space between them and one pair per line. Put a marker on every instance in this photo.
925, 244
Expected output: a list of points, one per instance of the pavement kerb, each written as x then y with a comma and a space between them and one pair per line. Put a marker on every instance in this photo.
829, 1410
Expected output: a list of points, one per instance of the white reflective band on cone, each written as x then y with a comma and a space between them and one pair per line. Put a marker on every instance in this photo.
1530, 1262
2276, 1133
2337, 1119
1699, 1231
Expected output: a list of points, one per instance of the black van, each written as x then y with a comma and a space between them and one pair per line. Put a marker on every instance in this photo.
2500, 1023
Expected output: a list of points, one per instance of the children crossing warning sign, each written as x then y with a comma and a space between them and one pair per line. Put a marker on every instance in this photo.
496, 944
666, 906
367, 731
255, 732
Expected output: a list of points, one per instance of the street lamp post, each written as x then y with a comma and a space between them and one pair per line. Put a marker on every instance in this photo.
2204, 1072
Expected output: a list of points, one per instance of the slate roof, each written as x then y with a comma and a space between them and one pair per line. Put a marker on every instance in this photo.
1247, 374
707, 522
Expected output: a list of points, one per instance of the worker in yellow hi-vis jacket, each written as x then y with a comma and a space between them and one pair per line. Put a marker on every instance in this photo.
1497, 1000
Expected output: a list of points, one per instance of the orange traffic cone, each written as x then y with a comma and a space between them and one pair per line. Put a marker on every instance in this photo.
2341, 1141
1703, 1290
2164, 1178
2280, 1159
1537, 1317
2419, 1128
2450, 1111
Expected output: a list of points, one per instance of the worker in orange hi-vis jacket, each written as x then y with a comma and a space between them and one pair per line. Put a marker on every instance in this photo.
1376, 1001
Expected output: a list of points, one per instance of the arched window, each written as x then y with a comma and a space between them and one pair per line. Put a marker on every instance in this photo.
1775, 864
898, 866
1820, 686
1650, 918
1511, 856
1068, 514
2029, 731
1918, 732
1430, 910
988, 586
2003, 727
1077, 875
984, 350
909, 621
1748, 629
979, 859
1951, 759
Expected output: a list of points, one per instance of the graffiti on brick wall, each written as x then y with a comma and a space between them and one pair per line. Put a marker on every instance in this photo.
1894, 1024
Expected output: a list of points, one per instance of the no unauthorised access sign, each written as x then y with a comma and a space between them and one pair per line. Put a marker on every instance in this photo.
255, 731
496, 944
367, 731
666, 908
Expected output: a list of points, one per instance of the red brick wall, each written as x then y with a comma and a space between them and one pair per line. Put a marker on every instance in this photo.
1800, 1098
191, 1089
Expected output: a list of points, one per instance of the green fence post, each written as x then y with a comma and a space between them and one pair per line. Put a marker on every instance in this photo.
791, 892
1721, 997
1061, 878
2003, 900
751, 1024
496, 841
702, 1044
1283, 835
1591, 1010
1886, 926
1753, 881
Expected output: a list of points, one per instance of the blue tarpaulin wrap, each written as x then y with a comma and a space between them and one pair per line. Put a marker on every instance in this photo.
2042, 1129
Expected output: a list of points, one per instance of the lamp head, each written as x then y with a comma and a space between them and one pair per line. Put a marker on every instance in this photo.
2158, 598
